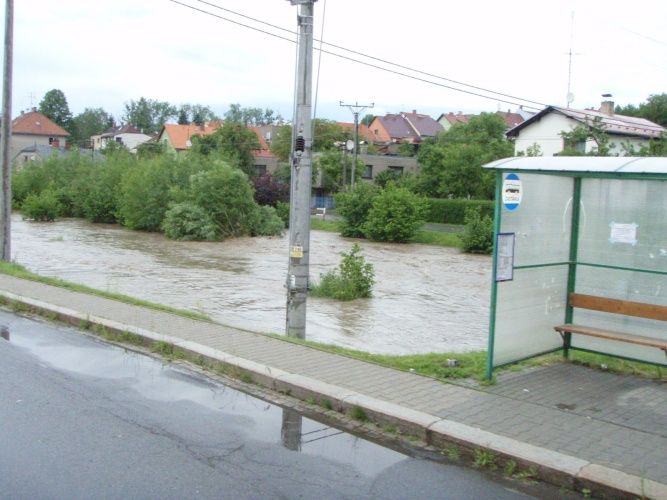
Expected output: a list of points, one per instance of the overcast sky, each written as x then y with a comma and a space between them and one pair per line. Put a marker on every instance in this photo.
102, 54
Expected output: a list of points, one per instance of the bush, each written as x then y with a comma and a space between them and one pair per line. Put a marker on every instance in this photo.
267, 222
478, 234
452, 211
353, 206
282, 210
354, 280
42, 207
186, 221
270, 190
226, 195
144, 194
396, 215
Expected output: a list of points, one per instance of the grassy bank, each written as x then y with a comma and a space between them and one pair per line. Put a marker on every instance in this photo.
425, 237
435, 365
18, 271
473, 364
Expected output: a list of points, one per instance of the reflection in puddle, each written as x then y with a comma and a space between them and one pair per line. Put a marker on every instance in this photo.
127, 372
426, 299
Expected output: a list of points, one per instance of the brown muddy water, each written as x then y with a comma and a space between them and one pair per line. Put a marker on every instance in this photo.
426, 299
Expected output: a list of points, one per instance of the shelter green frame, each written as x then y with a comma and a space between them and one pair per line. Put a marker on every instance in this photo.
553, 167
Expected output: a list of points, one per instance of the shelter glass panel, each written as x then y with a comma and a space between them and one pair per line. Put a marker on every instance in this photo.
527, 310
624, 224
542, 220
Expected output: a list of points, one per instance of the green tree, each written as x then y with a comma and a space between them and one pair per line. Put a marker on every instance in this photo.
575, 140
654, 109
148, 115
233, 142
354, 279
330, 166
367, 120
54, 106
92, 121
326, 133
251, 116
452, 162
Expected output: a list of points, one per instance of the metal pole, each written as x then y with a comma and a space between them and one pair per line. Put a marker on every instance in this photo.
5, 218
299, 230
356, 108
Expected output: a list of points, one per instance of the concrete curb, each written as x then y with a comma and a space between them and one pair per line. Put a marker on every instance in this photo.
551, 466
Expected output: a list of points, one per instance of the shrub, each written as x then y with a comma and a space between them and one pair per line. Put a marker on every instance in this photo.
42, 207
270, 190
186, 221
226, 196
452, 211
266, 222
353, 206
354, 279
144, 194
395, 215
282, 210
478, 234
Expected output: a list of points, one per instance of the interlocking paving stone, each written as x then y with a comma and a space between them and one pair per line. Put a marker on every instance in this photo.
607, 419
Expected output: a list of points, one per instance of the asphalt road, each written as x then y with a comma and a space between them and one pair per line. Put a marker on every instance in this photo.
83, 419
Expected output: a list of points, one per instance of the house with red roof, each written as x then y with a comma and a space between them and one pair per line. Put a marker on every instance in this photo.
178, 138
545, 129
402, 128
33, 129
448, 120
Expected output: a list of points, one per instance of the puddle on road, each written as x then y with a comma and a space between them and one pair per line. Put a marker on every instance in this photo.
66, 350
426, 299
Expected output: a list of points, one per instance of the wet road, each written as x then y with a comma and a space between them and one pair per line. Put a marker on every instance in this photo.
426, 298
82, 419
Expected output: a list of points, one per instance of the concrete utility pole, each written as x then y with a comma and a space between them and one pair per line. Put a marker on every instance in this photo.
299, 219
356, 108
6, 208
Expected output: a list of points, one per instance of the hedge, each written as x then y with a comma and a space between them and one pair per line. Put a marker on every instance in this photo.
452, 211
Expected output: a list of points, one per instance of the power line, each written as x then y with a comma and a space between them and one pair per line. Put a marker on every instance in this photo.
385, 61
388, 70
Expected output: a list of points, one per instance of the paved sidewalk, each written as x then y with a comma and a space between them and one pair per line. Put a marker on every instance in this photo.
578, 426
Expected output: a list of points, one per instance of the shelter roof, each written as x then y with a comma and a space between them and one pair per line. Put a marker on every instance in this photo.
582, 164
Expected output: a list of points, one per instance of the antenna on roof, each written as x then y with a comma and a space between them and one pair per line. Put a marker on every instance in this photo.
570, 95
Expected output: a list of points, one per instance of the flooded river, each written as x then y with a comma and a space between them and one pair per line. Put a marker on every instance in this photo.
426, 299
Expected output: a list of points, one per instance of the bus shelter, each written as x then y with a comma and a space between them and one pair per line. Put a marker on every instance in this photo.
586, 226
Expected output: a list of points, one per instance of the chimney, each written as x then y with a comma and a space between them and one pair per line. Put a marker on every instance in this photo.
607, 106
414, 111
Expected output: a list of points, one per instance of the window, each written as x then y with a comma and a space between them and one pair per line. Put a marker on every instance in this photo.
51, 139
368, 172
260, 169
397, 170
119, 140
578, 146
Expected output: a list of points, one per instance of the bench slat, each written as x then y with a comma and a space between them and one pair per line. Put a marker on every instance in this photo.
616, 306
611, 335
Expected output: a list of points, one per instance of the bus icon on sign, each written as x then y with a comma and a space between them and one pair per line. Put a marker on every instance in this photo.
511, 192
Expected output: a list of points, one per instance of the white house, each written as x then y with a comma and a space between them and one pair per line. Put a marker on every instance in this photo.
127, 135
545, 128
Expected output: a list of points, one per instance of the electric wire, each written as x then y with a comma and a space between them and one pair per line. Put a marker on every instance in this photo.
375, 66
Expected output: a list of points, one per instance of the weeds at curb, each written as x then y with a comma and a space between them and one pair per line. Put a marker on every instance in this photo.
452, 453
484, 459
358, 413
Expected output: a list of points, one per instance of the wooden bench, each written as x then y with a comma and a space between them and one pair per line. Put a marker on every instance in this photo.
614, 306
